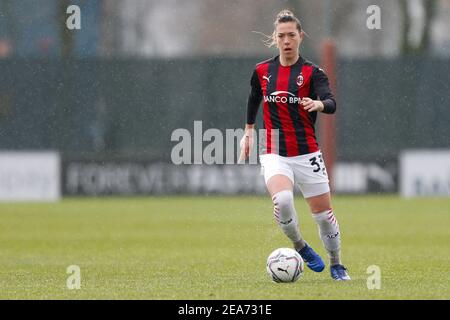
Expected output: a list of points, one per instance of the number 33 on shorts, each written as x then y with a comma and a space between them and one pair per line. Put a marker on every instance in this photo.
317, 164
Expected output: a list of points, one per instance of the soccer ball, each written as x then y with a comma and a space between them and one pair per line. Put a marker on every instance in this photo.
285, 265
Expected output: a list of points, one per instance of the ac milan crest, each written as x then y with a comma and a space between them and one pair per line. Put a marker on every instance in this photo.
300, 80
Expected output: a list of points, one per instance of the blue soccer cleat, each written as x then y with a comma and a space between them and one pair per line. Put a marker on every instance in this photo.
312, 259
339, 272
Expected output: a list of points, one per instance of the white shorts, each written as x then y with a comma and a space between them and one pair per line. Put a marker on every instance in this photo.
307, 170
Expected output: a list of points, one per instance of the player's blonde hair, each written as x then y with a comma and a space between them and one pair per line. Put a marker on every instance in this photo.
283, 16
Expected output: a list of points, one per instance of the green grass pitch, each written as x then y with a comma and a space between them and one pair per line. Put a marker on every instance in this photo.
216, 248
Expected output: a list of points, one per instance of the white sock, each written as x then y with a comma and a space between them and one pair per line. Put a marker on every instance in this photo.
330, 234
286, 217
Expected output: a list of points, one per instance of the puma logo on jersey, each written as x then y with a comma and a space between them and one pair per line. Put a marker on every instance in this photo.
267, 78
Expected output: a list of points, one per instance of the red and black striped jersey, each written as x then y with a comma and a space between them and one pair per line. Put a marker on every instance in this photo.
282, 89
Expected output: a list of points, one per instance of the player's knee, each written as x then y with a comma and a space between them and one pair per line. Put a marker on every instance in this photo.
283, 200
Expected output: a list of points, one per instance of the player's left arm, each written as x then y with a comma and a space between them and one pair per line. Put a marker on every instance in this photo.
320, 88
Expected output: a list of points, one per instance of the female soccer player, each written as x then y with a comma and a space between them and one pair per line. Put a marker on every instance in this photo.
294, 90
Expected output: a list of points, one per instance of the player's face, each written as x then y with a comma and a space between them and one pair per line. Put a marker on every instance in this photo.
288, 39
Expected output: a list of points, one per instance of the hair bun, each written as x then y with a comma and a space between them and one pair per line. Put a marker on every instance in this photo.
285, 13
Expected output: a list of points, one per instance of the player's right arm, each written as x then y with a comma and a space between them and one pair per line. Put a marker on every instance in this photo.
254, 100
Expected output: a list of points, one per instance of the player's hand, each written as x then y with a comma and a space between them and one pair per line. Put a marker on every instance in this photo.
246, 145
311, 105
